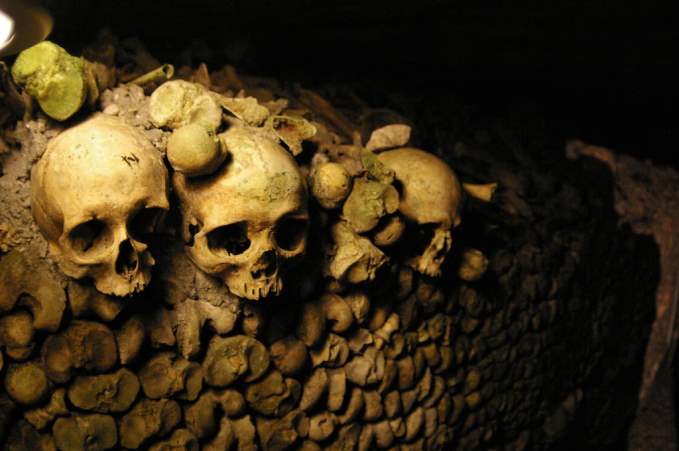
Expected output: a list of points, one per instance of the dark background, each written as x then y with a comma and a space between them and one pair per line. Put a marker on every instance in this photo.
601, 71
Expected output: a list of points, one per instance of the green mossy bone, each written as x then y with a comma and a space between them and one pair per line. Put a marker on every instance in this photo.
178, 103
292, 131
54, 77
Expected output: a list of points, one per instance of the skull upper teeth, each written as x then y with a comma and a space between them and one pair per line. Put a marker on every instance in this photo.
99, 188
260, 229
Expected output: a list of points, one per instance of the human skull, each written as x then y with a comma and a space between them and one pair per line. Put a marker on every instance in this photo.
431, 198
248, 222
97, 194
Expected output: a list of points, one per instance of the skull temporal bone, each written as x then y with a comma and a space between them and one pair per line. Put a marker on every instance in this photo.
248, 222
97, 194
431, 197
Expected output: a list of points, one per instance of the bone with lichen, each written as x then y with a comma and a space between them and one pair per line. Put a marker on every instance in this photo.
178, 103
268, 215
367, 203
55, 78
291, 130
353, 257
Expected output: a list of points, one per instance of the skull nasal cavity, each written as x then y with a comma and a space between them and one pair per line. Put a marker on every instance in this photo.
127, 261
265, 266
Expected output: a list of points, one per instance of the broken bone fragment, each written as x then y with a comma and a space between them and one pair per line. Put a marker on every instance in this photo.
192, 315
333, 353
483, 192
289, 355
374, 169
431, 199
281, 433
193, 150
337, 312
84, 344
42, 296
388, 137
314, 388
354, 258
79, 432
148, 419
177, 103
181, 439
54, 77
232, 358
97, 195
321, 426
312, 324
367, 203
42, 416
130, 338
291, 131
104, 393
167, 374
273, 395
247, 223
201, 417
159, 74
247, 109
84, 300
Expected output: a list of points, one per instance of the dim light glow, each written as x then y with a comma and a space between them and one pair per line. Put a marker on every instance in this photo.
6, 29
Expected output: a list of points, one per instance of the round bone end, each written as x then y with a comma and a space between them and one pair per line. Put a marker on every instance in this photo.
193, 151
26, 383
330, 184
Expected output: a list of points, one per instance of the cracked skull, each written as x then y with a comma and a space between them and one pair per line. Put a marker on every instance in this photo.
97, 194
247, 223
430, 199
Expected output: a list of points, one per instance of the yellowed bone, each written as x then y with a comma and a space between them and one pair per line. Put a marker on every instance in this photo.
162, 73
482, 192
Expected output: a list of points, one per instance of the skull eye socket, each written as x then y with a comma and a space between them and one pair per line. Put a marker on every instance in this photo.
290, 233
232, 238
89, 236
421, 236
145, 222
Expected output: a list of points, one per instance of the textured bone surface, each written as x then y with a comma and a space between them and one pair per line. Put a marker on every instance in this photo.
97, 193
431, 197
246, 223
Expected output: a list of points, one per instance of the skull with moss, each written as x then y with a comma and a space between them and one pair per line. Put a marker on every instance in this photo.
247, 222
97, 195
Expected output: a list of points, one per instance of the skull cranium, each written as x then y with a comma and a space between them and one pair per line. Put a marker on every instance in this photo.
97, 194
247, 222
431, 198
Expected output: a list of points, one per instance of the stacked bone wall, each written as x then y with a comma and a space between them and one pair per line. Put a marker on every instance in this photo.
533, 355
